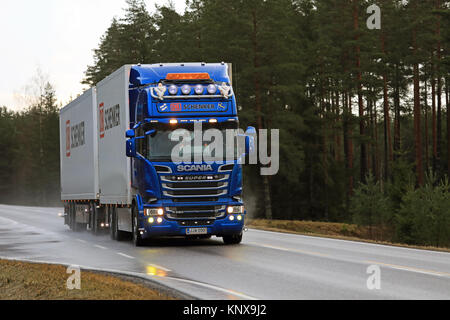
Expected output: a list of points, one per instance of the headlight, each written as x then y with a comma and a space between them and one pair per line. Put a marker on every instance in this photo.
212, 89
186, 89
173, 89
153, 211
235, 210
199, 89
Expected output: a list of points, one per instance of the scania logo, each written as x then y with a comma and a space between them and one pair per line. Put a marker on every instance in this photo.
189, 168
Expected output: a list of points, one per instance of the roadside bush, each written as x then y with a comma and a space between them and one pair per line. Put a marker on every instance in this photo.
370, 207
424, 215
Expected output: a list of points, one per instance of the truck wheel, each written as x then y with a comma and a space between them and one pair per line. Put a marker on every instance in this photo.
71, 217
119, 235
94, 219
137, 238
112, 223
74, 225
233, 239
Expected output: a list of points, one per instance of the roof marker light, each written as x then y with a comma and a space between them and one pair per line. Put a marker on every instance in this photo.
186, 89
173, 89
199, 89
173, 121
212, 120
188, 76
212, 89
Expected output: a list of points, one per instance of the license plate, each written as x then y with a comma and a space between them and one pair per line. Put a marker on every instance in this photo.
192, 231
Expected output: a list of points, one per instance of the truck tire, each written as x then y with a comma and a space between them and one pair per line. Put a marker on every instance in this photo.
112, 223
74, 226
137, 238
94, 219
119, 235
71, 217
233, 239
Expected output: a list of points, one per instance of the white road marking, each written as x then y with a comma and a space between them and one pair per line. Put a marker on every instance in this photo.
411, 269
287, 249
159, 267
100, 247
82, 241
210, 286
125, 255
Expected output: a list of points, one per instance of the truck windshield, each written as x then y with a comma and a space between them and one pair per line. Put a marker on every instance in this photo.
161, 144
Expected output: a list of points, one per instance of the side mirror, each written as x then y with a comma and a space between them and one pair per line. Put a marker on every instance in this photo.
131, 148
250, 135
130, 133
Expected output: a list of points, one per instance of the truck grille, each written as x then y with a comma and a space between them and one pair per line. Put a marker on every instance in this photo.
187, 212
201, 187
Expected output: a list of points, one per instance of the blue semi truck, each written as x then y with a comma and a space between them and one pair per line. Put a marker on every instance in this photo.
117, 166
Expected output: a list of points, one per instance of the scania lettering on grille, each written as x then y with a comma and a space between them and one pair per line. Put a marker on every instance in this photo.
190, 168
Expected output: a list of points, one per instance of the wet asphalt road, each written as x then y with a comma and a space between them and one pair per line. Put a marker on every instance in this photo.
267, 265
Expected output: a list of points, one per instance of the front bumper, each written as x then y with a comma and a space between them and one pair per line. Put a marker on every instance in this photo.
219, 227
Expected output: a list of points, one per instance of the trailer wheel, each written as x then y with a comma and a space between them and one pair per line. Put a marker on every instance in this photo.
74, 226
71, 217
137, 238
112, 223
233, 239
94, 219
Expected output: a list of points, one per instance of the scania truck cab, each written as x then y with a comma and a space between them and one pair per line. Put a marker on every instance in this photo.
193, 198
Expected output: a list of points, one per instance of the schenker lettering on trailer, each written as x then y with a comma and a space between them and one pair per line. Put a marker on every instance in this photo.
112, 117
77, 135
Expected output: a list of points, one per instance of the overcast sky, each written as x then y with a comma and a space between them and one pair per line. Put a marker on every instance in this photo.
56, 36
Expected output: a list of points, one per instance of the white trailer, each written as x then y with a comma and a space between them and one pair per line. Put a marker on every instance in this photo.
114, 119
79, 149
95, 171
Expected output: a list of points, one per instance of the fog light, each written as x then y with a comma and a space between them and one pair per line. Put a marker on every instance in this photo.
231, 218
159, 220
151, 220
239, 217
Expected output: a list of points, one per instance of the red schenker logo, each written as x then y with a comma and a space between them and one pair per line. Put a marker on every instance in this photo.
102, 120
175, 107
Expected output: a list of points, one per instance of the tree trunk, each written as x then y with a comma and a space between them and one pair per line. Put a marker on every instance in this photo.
387, 121
447, 101
417, 115
348, 145
360, 98
397, 134
439, 93
433, 116
425, 99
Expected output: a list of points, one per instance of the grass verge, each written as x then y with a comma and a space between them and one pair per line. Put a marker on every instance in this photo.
30, 281
333, 230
